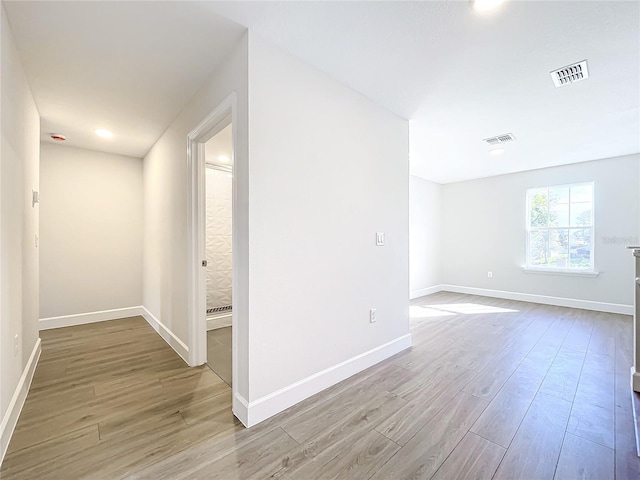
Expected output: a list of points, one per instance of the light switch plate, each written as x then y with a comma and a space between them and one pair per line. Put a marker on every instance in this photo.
379, 239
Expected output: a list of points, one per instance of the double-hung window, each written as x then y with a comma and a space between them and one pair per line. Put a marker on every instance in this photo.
560, 228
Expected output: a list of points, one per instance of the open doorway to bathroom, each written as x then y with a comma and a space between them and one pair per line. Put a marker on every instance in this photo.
219, 274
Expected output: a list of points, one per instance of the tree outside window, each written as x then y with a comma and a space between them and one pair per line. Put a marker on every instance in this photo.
560, 227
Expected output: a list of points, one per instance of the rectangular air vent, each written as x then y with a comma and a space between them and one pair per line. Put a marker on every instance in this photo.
497, 140
570, 74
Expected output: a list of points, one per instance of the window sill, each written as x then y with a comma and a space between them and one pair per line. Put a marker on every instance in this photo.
558, 271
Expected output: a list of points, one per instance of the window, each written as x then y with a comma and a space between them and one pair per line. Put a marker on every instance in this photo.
560, 228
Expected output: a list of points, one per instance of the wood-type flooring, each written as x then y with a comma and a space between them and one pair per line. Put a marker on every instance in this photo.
490, 389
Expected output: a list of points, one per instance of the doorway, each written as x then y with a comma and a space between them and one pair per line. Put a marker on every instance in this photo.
225, 113
219, 254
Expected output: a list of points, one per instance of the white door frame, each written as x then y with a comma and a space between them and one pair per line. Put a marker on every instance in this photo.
219, 118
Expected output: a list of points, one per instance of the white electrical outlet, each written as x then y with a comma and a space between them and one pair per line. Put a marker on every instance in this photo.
490, 274
380, 239
372, 315
15, 345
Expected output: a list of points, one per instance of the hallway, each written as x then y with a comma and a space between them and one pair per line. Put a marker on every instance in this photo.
108, 398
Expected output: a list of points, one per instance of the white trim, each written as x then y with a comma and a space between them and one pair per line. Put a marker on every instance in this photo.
258, 410
116, 314
529, 228
219, 321
240, 408
166, 333
544, 299
12, 414
425, 291
561, 271
89, 317
219, 118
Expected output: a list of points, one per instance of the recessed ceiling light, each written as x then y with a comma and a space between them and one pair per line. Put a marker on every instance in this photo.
496, 151
101, 132
58, 137
484, 5
224, 159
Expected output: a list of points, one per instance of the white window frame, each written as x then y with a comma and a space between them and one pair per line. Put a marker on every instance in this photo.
529, 268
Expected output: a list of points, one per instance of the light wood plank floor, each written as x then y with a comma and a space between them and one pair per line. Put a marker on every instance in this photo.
491, 389
219, 352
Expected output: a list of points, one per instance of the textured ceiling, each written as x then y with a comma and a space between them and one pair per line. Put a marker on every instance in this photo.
457, 75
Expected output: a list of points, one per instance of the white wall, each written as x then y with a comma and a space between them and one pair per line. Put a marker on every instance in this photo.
90, 231
329, 169
425, 230
165, 178
20, 125
484, 230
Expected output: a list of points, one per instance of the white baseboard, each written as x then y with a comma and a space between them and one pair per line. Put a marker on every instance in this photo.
240, 408
544, 299
219, 321
12, 414
115, 314
90, 317
252, 413
425, 291
168, 336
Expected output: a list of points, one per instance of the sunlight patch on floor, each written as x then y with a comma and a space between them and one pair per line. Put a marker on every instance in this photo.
422, 311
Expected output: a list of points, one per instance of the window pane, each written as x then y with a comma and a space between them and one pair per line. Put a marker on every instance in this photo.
558, 207
559, 195
582, 193
558, 247
538, 208
560, 227
539, 247
581, 214
580, 251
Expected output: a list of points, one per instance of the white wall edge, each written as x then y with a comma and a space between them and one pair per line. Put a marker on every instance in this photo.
273, 403
425, 291
166, 333
12, 414
544, 299
90, 317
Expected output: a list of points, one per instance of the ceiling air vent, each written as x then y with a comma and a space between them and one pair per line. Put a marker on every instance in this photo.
499, 139
573, 73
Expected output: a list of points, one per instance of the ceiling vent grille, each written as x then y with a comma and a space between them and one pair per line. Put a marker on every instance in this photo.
500, 139
573, 73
